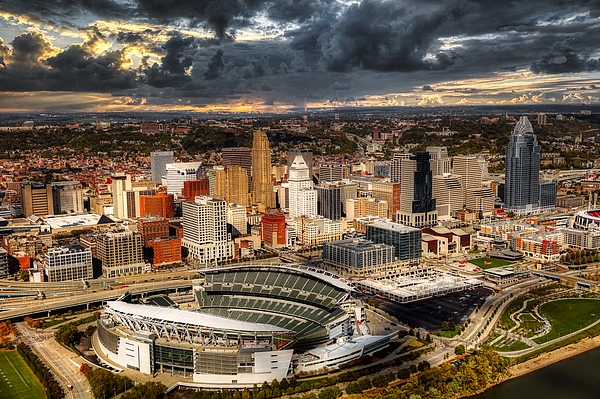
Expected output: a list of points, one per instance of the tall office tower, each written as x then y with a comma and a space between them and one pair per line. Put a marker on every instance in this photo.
238, 156
118, 185
447, 190
348, 190
262, 187
131, 201
303, 196
152, 227
440, 163
36, 199
160, 204
330, 172
547, 195
231, 185
396, 165
195, 188
273, 230
306, 154
467, 170
178, 173
329, 202
237, 219
522, 191
417, 205
68, 263
205, 230
405, 240
67, 197
361, 207
481, 200
389, 192
541, 119
120, 252
158, 164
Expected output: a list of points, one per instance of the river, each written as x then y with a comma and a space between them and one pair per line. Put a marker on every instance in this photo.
575, 378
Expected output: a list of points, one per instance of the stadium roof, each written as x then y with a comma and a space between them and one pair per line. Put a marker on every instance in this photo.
190, 318
317, 273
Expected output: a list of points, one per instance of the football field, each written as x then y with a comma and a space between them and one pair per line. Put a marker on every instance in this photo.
16, 379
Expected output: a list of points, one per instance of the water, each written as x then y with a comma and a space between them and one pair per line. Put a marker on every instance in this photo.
574, 378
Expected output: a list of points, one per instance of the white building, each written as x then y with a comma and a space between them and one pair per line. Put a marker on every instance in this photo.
120, 252
237, 219
119, 184
205, 229
302, 195
68, 264
177, 173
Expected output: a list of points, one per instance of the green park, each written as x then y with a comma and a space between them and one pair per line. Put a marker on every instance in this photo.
17, 381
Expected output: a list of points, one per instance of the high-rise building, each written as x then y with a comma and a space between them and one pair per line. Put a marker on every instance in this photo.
447, 190
348, 190
396, 165
439, 160
329, 204
151, 227
262, 186
361, 207
178, 173
195, 188
231, 185
330, 172
389, 192
118, 185
273, 229
160, 204
36, 199
158, 164
120, 252
306, 154
205, 230
238, 156
541, 119
467, 170
4, 268
522, 190
405, 240
417, 205
237, 219
131, 201
303, 196
68, 263
547, 195
67, 197
481, 200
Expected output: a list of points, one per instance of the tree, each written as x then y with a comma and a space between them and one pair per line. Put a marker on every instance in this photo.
444, 326
89, 330
403, 374
148, 390
424, 365
24, 275
413, 368
84, 369
459, 350
451, 325
330, 393
67, 334
365, 383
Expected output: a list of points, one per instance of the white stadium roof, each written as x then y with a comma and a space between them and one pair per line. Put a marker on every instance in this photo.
195, 319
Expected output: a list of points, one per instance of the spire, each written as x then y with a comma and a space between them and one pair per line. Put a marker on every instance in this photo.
523, 127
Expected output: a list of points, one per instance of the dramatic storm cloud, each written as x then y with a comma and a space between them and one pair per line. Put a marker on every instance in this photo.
229, 54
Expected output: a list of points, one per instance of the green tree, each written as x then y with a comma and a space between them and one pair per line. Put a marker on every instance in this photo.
24, 275
451, 325
459, 350
424, 365
330, 393
148, 390
67, 334
444, 326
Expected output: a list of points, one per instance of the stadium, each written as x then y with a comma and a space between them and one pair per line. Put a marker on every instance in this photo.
587, 219
251, 324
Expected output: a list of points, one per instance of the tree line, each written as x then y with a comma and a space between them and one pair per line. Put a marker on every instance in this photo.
52, 387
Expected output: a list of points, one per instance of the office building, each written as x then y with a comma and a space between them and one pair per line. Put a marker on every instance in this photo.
231, 184
547, 195
390, 193
467, 170
36, 199
417, 205
4, 268
361, 207
67, 197
132, 201
348, 190
151, 227
303, 196
68, 263
160, 204
405, 240
542, 119
357, 256
166, 251
262, 186
238, 156
205, 230
481, 200
396, 165
330, 172
307, 155
237, 219
195, 188
273, 230
178, 173
439, 160
329, 204
158, 164
119, 183
522, 190
120, 252
448, 191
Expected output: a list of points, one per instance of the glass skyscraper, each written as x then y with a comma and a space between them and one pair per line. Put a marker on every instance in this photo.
522, 190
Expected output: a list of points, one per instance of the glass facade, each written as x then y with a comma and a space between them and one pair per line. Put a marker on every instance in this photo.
405, 240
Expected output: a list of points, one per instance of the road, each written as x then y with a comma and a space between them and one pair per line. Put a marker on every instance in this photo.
58, 360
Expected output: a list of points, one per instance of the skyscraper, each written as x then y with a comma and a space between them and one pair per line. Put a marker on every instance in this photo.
231, 184
330, 172
417, 205
440, 163
396, 165
328, 201
119, 184
238, 156
522, 191
158, 164
303, 196
262, 187
36, 199
306, 154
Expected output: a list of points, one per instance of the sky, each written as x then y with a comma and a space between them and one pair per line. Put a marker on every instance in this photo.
278, 55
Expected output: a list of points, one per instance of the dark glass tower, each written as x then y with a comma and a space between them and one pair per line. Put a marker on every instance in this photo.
522, 190
423, 180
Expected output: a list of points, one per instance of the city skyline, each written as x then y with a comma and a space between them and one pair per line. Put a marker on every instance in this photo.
247, 56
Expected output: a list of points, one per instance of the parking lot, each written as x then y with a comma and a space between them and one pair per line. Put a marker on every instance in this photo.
430, 313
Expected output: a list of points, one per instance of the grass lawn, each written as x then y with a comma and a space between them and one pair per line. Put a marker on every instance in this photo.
16, 379
526, 317
495, 262
515, 346
568, 315
49, 323
450, 333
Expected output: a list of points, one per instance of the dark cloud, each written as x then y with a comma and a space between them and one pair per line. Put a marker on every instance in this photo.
341, 86
174, 67
564, 59
427, 88
215, 66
